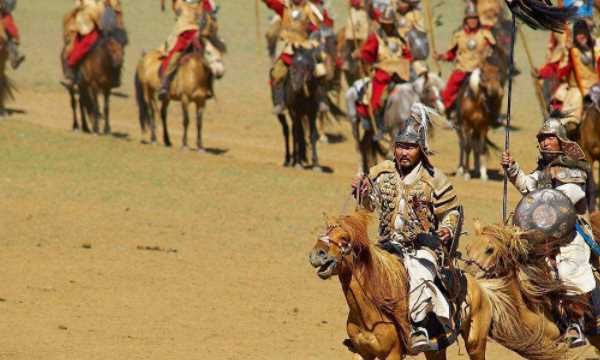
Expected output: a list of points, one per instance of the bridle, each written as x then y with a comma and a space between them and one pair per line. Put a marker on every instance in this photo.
345, 249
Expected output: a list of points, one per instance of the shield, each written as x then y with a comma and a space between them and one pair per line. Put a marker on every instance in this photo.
548, 211
419, 44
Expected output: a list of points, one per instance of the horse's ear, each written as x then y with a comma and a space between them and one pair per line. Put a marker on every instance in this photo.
478, 227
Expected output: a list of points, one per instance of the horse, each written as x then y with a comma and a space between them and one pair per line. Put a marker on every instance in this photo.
191, 84
479, 103
425, 89
517, 262
302, 103
375, 284
98, 73
589, 129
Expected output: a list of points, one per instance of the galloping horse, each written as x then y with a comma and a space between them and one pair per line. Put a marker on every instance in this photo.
99, 73
589, 130
375, 284
517, 262
190, 85
479, 104
301, 100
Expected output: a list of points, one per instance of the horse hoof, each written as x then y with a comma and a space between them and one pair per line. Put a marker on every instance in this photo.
183, 147
484, 177
467, 176
287, 163
201, 150
317, 168
298, 166
324, 139
460, 172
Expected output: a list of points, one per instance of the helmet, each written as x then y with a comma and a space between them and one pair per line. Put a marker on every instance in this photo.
553, 126
471, 12
415, 128
387, 16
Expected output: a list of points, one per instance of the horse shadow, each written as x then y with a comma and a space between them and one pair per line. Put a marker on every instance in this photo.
120, 136
10, 111
335, 138
216, 151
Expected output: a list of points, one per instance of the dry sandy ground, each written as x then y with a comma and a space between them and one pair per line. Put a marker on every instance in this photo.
110, 249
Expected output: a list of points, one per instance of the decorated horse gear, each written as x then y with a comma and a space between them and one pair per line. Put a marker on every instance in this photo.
548, 211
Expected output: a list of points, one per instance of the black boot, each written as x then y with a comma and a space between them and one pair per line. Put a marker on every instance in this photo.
380, 126
13, 52
163, 93
278, 96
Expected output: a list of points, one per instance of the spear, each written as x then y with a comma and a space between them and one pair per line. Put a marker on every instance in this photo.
428, 15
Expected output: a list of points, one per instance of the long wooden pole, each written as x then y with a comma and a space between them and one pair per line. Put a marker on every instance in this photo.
511, 66
429, 16
257, 18
536, 84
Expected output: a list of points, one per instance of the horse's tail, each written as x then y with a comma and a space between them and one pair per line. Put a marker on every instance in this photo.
490, 144
334, 109
508, 327
141, 101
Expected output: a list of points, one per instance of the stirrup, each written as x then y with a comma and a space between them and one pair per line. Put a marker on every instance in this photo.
420, 341
575, 340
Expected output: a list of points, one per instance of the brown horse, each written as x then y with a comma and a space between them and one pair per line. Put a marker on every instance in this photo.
375, 284
589, 133
191, 84
479, 104
517, 262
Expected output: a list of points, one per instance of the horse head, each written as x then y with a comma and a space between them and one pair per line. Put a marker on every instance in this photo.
345, 238
500, 250
490, 78
302, 68
116, 52
429, 88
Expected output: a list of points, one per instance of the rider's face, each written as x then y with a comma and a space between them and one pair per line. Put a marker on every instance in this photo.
472, 23
550, 143
581, 39
403, 7
407, 155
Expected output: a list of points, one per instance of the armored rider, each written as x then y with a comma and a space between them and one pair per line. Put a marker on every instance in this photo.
418, 214
11, 32
562, 166
470, 46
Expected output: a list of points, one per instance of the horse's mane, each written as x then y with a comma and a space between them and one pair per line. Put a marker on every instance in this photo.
524, 254
382, 275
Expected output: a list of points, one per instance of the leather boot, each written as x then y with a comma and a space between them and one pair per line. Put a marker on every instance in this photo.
163, 93
13, 52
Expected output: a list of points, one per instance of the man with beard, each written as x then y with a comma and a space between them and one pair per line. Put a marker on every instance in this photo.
562, 166
418, 214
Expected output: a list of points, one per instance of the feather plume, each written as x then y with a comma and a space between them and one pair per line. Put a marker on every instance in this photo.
541, 14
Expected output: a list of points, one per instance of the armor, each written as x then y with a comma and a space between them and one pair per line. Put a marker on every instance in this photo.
471, 48
418, 43
390, 55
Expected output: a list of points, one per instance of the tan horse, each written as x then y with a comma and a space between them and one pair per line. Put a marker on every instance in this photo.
589, 134
479, 104
375, 285
517, 262
190, 85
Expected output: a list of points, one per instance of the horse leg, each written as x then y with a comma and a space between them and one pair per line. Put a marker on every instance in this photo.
73, 101
467, 160
460, 171
436, 355
152, 118
286, 138
480, 158
199, 118
106, 112
314, 137
83, 102
186, 123
321, 127
95, 112
164, 107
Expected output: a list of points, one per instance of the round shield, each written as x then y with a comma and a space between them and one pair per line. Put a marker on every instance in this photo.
419, 44
548, 211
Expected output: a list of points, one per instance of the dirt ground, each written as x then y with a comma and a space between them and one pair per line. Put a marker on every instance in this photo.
110, 249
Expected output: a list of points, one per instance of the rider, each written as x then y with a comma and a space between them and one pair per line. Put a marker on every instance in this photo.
470, 46
84, 33
409, 17
299, 18
12, 32
187, 33
418, 214
562, 166
389, 53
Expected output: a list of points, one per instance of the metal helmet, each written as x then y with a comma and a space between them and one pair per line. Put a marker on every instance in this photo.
548, 211
553, 126
471, 11
415, 128
387, 16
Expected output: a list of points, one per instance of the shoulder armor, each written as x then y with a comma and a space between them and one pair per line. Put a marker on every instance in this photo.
489, 36
568, 175
384, 167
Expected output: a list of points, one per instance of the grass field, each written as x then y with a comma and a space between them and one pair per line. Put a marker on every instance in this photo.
111, 249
